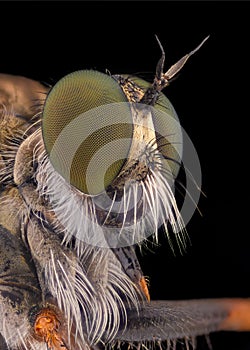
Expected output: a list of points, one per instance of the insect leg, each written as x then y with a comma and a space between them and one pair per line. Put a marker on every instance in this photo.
19, 291
173, 320
63, 283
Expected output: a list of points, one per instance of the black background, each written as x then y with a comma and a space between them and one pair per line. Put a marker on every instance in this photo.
46, 40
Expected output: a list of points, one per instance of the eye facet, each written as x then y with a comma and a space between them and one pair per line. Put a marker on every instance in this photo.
87, 129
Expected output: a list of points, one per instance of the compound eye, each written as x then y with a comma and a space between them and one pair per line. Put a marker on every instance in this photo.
169, 135
87, 129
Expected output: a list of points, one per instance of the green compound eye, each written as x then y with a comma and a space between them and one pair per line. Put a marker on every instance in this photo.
87, 129
168, 134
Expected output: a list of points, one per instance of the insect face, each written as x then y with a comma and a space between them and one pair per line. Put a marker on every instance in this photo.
87, 170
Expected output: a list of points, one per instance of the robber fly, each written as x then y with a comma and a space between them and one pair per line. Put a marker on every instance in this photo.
87, 168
